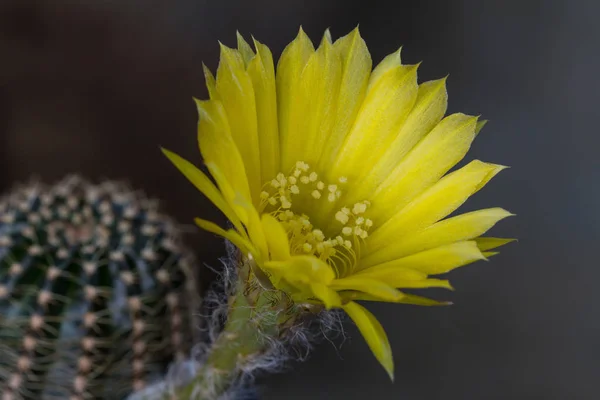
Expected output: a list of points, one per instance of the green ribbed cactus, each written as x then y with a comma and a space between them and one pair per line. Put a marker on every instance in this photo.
95, 292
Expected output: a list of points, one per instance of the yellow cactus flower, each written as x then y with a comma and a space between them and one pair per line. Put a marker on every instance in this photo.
334, 175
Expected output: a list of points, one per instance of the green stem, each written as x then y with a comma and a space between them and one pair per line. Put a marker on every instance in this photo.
254, 314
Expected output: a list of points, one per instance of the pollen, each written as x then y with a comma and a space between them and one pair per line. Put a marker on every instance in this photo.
342, 217
302, 189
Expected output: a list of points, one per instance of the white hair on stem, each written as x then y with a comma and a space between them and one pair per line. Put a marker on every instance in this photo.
292, 345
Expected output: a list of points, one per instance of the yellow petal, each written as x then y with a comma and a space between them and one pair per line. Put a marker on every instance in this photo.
384, 270
237, 95
421, 301
480, 125
262, 74
211, 84
219, 149
205, 185
429, 108
438, 260
255, 230
244, 49
390, 62
356, 69
489, 254
303, 269
422, 284
406, 298
328, 296
327, 36
489, 243
434, 204
238, 241
385, 108
315, 105
289, 69
461, 227
277, 240
373, 287
374, 335
424, 165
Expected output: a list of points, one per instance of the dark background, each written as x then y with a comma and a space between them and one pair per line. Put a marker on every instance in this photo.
97, 86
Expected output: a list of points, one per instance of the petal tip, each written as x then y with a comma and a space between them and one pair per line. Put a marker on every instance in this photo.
390, 373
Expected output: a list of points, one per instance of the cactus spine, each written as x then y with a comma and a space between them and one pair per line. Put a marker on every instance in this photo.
95, 292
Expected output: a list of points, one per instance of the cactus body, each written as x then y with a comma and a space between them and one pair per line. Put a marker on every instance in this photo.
94, 292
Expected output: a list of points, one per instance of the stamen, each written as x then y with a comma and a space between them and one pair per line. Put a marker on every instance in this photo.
285, 194
342, 217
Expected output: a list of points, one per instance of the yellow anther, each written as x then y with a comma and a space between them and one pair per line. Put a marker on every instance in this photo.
318, 234
359, 208
342, 217
285, 203
303, 238
301, 165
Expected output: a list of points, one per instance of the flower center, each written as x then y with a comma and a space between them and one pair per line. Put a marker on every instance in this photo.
294, 198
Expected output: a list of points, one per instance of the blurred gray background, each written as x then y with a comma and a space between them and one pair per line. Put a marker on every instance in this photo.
96, 86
